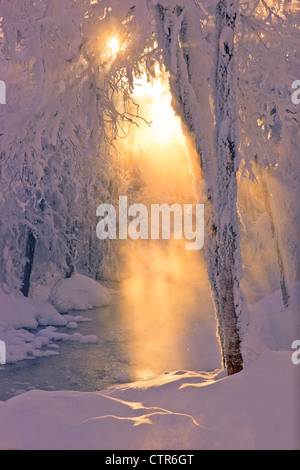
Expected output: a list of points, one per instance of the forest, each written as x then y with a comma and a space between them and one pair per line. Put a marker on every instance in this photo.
191, 105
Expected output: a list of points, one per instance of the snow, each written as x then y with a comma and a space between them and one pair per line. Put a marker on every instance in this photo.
39, 293
18, 315
79, 293
50, 333
255, 409
17, 312
277, 325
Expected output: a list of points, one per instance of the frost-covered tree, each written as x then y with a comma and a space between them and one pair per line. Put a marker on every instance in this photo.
229, 267
62, 114
184, 48
268, 51
189, 34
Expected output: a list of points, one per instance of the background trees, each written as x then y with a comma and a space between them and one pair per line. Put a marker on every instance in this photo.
55, 133
267, 47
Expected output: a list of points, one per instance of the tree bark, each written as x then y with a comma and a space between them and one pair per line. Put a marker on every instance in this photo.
177, 37
229, 265
29, 254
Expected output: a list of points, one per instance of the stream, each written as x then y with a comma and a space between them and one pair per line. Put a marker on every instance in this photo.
78, 367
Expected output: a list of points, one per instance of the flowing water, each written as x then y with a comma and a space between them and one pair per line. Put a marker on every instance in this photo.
79, 367
131, 346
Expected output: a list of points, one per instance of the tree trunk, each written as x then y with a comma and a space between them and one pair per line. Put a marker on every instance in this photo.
70, 266
266, 197
178, 37
229, 266
29, 254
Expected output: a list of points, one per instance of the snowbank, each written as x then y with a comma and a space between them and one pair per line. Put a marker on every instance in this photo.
79, 293
18, 315
278, 326
255, 409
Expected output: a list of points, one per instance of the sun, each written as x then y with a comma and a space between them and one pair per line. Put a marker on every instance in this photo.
114, 45
165, 125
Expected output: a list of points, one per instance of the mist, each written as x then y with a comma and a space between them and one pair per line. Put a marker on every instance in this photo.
165, 293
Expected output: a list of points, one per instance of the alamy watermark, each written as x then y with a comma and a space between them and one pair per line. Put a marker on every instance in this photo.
2, 353
296, 354
296, 94
2, 92
138, 223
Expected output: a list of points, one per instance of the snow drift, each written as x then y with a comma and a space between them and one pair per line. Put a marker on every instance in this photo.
254, 409
79, 293
21, 319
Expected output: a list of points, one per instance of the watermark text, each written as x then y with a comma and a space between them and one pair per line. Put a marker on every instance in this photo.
2, 92
296, 354
296, 94
161, 222
2, 353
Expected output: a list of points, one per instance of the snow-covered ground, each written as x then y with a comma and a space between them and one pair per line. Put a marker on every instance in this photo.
255, 409
78, 293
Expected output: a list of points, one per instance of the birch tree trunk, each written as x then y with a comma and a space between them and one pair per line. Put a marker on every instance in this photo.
229, 265
179, 41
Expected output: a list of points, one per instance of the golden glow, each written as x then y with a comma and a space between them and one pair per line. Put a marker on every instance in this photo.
165, 125
114, 46
109, 48
161, 281
253, 198
160, 299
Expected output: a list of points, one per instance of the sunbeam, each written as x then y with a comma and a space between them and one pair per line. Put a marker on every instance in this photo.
162, 282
